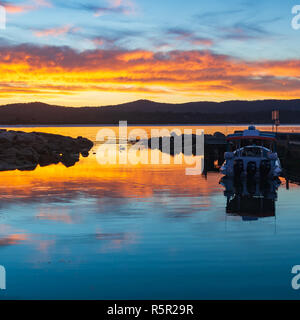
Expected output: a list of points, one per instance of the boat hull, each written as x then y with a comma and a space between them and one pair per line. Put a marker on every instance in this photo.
258, 168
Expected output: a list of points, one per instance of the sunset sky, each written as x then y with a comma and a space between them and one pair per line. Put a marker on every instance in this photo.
101, 52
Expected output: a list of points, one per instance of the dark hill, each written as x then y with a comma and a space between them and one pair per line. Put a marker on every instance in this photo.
149, 112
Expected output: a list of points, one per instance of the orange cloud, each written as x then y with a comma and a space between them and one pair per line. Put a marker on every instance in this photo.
55, 31
202, 42
116, 6
98, 42
19, 8
58, 72
136, 55
116, 3
10, 8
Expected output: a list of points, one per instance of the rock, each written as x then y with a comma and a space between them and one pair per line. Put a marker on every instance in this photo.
24, 151
7, 137
219, 135
85, 154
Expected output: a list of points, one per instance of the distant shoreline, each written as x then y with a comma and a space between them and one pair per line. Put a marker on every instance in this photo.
146, 125
144, 112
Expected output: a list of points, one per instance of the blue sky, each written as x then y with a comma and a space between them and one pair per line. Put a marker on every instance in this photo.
248, 29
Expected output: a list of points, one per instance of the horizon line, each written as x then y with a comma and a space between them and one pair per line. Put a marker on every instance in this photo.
148, 100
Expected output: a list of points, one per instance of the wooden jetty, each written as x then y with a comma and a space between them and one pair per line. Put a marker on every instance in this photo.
288, 148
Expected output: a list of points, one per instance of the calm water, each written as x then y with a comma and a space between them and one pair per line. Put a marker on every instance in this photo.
140, 232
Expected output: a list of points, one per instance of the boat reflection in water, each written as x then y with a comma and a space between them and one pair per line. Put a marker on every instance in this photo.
250, 198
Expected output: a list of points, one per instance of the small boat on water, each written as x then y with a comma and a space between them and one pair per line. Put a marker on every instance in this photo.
251, 153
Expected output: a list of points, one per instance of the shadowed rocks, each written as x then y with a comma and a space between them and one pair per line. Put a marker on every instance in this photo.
24, 151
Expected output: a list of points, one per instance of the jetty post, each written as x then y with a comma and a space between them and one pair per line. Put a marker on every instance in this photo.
276, 121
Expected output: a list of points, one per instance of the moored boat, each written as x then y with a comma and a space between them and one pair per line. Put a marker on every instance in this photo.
251, 153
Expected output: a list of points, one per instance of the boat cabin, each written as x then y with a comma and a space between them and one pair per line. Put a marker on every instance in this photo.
252, 142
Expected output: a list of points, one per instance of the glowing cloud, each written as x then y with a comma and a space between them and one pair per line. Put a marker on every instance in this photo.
116, 6
55, 31
29, 6
61, 72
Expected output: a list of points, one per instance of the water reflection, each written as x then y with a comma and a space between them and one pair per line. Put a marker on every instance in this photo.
250, 198
94, 231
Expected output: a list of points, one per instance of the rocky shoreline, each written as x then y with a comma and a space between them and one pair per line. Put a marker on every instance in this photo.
25, 151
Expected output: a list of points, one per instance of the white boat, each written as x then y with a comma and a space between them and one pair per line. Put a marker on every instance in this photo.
251, 153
